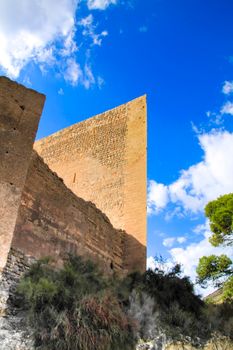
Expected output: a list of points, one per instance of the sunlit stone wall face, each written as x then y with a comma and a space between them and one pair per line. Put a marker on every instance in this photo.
53, 221
103, 160
20, 110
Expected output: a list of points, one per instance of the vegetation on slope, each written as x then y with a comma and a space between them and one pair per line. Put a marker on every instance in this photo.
79, 308
74, 308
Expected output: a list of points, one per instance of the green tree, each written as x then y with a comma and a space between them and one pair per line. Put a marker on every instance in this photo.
220, 214
213, 268
218, 269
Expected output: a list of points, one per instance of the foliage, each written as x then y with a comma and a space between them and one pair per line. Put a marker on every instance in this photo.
220, 214
228, 290
74, 308
174, 307
164, 302
213, 267
78, 308
219, 269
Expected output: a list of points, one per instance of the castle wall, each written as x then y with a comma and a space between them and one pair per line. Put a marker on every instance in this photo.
52, 221
20, 110
103, 160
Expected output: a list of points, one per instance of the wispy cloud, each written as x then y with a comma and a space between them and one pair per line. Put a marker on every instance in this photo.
217, 117
100, 4
227, 87
89, 30
75, 75
73, 72
227, 108
100, 82
181, 239
168, 242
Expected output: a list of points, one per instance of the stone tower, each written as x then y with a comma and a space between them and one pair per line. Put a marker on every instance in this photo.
103, 160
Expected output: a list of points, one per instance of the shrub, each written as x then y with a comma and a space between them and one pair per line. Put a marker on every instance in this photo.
74, 308
166, 303
78, 308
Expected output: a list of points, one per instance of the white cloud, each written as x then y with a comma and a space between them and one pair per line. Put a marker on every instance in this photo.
27, 81
151, 263
100, 82
168, 242
60, 91
203, 181
100, 4
157, 196
227, 87
199, 229
70, 45
227, 108
28, 30
90, 30
73, 73
181, 239
163, 265
87, 21
44, 32
88, 78
189, 256
217, 118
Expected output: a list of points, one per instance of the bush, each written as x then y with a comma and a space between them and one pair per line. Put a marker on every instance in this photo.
78, 308
166, 303
74, 308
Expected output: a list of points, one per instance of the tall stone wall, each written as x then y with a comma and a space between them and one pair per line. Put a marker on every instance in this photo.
52, 221
20, 110
103, 160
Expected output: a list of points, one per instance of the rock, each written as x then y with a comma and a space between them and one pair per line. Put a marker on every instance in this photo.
14, 333
216, 343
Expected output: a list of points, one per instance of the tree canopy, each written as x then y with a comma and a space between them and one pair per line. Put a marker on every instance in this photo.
220, 214
213, 268
219, 269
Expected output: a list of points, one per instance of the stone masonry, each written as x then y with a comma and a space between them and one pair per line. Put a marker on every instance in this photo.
103, 160
20, 111
53, 221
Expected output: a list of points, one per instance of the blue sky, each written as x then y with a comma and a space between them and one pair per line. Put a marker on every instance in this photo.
92, 55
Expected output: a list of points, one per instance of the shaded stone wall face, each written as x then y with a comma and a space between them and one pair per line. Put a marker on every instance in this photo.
103, 160
52, 221
20, 110
17, 264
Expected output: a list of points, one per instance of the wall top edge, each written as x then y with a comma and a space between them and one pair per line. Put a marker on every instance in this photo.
143, 98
